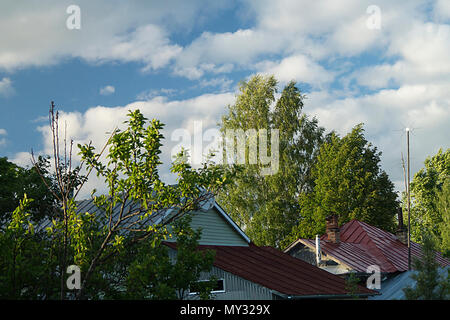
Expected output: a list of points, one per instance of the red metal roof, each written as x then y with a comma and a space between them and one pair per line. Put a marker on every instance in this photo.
362, 245
278, 271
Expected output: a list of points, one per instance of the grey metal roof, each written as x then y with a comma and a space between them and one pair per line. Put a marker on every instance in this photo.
158, 217
392, 289
89, 206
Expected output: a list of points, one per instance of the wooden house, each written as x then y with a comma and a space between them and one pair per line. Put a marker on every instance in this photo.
361, 249
246, 271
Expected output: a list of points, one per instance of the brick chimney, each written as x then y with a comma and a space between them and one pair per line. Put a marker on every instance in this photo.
333, 229
402, 231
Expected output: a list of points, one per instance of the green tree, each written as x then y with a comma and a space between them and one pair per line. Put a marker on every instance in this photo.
25, 261
430, 284
443, 207
351, 285
266, 205
131, 174
349, 183
16, 181
154, 274
427, 216
100, 242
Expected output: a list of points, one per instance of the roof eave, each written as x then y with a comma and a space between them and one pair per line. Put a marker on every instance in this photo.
329, 296
329, 255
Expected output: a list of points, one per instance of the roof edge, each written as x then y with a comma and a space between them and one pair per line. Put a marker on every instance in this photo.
330, 255
231, 222
331, 296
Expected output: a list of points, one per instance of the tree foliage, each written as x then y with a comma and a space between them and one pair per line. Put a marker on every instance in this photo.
430, 284
443, 207
16, 181
155, 274
429, 200
100, 242
27, 263
266, 206
349, 183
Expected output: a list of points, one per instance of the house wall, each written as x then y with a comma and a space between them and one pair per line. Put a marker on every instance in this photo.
307, 254
215, 229
236, 288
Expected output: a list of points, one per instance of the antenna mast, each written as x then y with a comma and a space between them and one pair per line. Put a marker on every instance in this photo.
409, 203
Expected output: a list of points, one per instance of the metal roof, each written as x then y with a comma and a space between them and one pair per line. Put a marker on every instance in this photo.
156, 218
362, 245
392, 289
130, 206
273, 269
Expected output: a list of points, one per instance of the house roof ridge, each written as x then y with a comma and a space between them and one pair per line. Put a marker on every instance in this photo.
372, 246
380, 247
362, 237
273, 269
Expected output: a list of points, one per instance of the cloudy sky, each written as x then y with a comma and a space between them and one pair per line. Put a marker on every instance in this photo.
383, 63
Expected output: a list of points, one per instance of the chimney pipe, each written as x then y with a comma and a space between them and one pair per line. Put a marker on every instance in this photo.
318, 251
333, 229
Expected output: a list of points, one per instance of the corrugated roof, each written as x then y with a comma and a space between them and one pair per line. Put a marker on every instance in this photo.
278, 271
392, 289
160, 216
362, 245
130, 207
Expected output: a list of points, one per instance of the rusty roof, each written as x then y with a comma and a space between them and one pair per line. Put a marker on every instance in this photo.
278, 271
362, 245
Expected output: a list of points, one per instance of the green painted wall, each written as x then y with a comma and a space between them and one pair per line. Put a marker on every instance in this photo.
215, 229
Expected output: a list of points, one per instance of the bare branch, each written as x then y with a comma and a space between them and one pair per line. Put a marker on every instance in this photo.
98, 156
35, 165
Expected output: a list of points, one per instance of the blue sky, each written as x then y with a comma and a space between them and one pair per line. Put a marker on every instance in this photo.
382, 63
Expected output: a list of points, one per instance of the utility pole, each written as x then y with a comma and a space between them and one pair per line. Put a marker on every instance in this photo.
409, 203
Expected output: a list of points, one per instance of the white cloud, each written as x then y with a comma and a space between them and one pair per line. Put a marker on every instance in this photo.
107, 90
221, 52
320, 31
299, 68
152, 93
422, 58
95, 124
6, 88
442, 10
2, 140
313, 17
424, 108
22, 159
354, 37
223, 84
425, 48
317, 42
147, 44
37, 33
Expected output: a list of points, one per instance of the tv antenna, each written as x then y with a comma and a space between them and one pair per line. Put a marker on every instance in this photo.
409, 200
